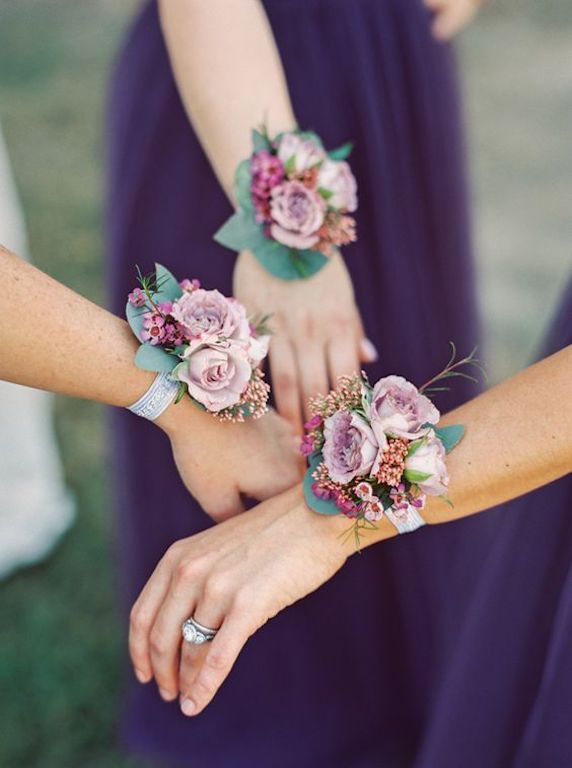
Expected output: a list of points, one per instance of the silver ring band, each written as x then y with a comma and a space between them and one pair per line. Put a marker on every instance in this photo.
157, 399
197, 634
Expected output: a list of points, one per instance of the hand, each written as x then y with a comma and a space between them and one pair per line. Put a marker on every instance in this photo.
235, 576
451, 16
318, 334
219, 461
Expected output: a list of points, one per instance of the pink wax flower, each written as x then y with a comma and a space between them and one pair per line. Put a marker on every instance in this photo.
398, 409
297, 213
320, 492
174, 334
364, 491
337, 178
137, 297
304, 153
267, 171
208, 313
153, 328
190, 285
216, 373
429, 458
349, 448
307, 445
373, 510
314, 423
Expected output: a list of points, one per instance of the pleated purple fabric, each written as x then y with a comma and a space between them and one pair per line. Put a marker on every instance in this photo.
393, 662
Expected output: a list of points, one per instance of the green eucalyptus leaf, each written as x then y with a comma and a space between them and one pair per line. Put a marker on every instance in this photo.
242, 182
169, 288
152, 358
341, 153
321, 506
288, 263
240, 232
414, 476
134, 317
450, 436
259, 141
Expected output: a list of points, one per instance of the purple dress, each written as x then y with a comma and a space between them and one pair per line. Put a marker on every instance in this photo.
371, 670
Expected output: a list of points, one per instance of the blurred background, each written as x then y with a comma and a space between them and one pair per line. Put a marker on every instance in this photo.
60, 639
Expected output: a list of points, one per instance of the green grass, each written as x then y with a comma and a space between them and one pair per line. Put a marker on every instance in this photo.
61, 643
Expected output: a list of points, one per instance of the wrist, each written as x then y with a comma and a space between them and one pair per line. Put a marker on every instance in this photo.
335, 534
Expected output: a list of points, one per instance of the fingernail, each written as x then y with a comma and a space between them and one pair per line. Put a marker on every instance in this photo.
188, 707
141, 676
167, 695
369, 351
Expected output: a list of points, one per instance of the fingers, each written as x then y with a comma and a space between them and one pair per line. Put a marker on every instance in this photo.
285, 383
343, 357
165, 635
451, 16
143, 616
367, 351
217, 662
210, 614
311, 361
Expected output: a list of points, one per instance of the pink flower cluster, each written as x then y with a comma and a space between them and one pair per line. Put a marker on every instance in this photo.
376, 447
302, 197
219, 349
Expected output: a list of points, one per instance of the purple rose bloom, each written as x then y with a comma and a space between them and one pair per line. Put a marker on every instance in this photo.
216, 373
297, 213
429, 459
350, 446
398, 409
208, 313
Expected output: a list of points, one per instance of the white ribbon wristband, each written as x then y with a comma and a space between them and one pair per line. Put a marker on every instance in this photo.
157, 399
405, 520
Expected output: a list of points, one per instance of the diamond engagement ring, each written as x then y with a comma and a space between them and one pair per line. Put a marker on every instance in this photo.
195, 634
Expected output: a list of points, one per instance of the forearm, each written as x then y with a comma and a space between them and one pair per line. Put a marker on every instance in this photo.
229, 75
52, 338
518, 437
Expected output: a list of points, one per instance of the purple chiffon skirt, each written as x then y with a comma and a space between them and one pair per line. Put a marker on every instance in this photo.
435, 650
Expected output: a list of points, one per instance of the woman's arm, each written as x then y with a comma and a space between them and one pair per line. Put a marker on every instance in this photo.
230, 78
239, 575
52, 338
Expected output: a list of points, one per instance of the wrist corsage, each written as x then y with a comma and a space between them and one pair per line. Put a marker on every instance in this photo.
294, 199
378, 450
202, 340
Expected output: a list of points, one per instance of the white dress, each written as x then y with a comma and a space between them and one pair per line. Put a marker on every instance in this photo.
35, 507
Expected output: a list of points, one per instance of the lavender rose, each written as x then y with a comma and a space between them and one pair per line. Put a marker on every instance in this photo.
208, 313
398, 409
429, 459
305, 152
337, 178
298, 213
349, 448
216, 373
